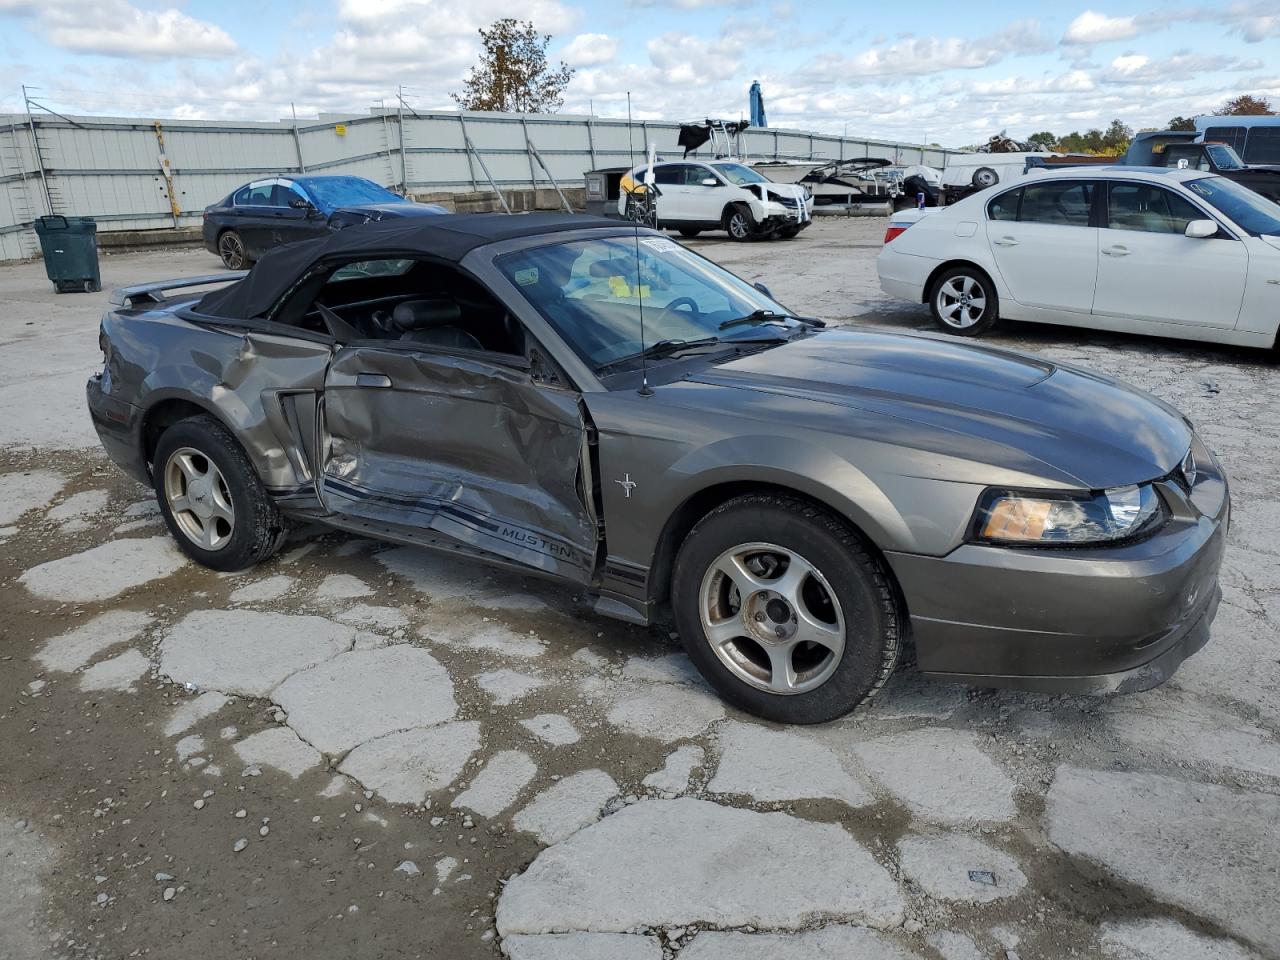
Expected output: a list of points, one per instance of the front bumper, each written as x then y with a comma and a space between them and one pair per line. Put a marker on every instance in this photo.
119, 426
1116, 619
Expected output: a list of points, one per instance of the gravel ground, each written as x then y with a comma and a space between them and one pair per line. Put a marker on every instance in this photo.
363, 750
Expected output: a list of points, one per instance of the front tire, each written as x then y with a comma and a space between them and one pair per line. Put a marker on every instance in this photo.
963, 302
739, 223
212, 500
232, 250
784, 609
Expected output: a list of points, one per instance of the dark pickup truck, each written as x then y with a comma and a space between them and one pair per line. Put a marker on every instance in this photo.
1174, 148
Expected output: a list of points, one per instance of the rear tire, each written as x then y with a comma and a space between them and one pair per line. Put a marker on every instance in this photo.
212, 500
689, 232
804, 573
232, 250
739, 222
963, 302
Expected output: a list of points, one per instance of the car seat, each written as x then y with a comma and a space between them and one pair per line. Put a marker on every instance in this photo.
433, 322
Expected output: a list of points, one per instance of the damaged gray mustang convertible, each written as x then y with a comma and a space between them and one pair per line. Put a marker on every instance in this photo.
573, 397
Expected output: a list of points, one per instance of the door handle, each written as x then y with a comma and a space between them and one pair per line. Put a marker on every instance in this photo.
1116, 251
372, 380
1006, 242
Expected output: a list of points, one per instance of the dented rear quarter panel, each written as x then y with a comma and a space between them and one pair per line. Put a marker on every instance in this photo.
236, 374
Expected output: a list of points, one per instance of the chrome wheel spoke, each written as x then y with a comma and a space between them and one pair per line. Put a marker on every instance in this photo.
186, 463
812, 630
782, 671
746, 581
180, 504
791, 583
220, 504
723, 632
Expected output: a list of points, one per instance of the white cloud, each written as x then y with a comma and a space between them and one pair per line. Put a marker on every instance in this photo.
590, 49
689, 61
1093, 27
116, 28
921, 56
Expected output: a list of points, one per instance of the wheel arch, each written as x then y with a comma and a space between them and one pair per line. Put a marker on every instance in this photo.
946, 265
700, 503
167, 411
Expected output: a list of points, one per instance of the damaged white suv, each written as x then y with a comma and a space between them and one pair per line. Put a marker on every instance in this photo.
694, 195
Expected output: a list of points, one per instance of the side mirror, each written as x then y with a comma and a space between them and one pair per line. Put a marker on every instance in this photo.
1201, 229
710, 182
763, 289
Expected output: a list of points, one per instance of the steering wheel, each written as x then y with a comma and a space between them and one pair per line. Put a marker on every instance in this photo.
689, 302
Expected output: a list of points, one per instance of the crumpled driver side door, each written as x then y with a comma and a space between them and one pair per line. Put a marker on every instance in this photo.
459, 446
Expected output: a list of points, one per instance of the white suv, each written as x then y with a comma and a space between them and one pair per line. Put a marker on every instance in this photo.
722, 195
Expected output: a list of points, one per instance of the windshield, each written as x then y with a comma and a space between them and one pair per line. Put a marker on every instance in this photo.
737, 174
330, 193
592, 293
1251, 211
1224, 157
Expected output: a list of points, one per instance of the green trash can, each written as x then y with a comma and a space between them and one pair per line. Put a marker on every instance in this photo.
70, 249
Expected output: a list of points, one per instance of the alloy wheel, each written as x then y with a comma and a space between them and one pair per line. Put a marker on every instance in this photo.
231, 249
961, 302
199, 499
771, 618
738, 228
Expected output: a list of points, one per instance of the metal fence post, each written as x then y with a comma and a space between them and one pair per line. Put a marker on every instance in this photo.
471, 166
35, 144
297, 139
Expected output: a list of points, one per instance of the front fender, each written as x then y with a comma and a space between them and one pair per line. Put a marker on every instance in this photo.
796, 464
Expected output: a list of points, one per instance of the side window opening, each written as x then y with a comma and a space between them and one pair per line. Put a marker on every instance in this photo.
260, 196
1061, 202
1146, 208
1005, 206
412, 302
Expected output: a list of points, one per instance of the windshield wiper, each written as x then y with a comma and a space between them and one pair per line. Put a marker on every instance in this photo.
662, 348
769, 316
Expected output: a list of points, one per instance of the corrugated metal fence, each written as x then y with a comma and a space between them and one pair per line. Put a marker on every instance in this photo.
134, 174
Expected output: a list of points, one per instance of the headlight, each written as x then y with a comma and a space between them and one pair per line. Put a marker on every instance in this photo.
1027, 518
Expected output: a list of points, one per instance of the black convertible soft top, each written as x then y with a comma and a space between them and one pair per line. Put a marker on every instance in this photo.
448, 237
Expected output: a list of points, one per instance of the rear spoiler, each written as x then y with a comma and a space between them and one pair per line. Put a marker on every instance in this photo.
143, 293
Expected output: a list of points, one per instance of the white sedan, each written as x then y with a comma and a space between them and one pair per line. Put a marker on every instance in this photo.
1172, 253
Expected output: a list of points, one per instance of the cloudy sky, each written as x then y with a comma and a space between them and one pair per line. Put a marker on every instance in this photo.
951, 73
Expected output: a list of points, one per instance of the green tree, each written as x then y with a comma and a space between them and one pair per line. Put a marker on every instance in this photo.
1246, 106
1182, 123
512, 74
1043, 139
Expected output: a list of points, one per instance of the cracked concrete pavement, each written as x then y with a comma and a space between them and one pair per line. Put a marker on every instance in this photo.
367, 750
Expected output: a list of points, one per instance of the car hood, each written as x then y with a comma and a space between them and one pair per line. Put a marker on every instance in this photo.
1064, 426
383, 211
